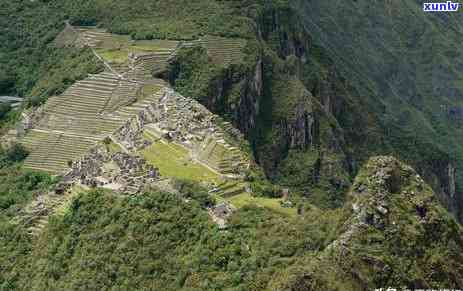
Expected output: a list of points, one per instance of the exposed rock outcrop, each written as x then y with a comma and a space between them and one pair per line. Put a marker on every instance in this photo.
394, 210
397, 235
249, 105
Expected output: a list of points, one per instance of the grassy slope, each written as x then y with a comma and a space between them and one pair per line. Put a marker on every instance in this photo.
246, 199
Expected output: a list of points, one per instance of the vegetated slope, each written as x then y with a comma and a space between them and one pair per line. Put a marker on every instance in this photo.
391, 233
397, 235
408, 65
155, 241
28, 28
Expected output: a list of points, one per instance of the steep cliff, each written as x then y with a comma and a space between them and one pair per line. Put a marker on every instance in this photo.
306, 95
401, 66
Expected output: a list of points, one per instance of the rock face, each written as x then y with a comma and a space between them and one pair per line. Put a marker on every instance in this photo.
220, 213
299, 131
359, 117
444, 182
415, 120
249, 105
396, 212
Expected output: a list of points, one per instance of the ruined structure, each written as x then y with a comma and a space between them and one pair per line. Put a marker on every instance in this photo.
125, 106
116, 171
122, 103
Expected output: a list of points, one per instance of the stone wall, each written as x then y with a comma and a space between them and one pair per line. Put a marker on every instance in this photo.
129, 174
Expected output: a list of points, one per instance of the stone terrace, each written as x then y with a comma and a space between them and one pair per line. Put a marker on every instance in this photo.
112, 104
76, 120
51, 152
135, 60
191, 125
222, 51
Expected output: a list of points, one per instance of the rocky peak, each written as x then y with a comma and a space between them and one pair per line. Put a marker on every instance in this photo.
395, 212
381, 182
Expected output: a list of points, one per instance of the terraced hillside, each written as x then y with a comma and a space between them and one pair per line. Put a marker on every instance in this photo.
52, 151
113, 103
135, 60
75, 121
222, 51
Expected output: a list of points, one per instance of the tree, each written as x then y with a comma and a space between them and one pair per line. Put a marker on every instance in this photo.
4, 109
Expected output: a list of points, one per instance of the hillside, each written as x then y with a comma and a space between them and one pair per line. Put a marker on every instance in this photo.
230, 145
392, 232
389, 238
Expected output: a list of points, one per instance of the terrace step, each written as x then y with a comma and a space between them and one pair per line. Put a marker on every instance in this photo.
36, 215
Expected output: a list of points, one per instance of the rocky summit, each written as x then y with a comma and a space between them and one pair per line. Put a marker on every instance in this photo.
230, 145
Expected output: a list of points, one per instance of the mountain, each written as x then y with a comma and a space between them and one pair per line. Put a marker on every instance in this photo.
388, 239
238, 145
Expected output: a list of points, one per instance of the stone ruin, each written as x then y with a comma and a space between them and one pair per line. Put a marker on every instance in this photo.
119, 171
182, 120
220, 213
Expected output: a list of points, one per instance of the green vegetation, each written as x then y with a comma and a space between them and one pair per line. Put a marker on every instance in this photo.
193, 191
117, 49
410, 242
191, 73
14, 154
157, 241
16, 185
398, 94
324, 86
174, 19
5, 108
113, 56
175, 161
273, 204
62, 69
195, 72
22, 54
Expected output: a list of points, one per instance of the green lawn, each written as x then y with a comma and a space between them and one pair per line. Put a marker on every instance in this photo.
148, 90
117, 48
271, 203
152, 45
114, 56
174, 161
